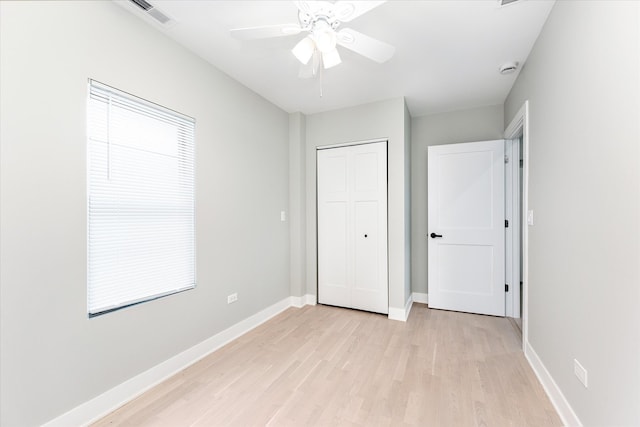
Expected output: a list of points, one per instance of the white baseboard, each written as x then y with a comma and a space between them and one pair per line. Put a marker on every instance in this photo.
565, 411
408, 306
420, 297
311, 299
298, 301
401, 314
307, 299
109, 401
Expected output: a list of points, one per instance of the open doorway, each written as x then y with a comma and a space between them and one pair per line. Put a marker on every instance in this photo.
513, 230
518, 163
519, 215
519, 231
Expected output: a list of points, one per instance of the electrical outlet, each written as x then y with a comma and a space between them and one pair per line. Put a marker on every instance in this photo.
232, 298
580, 372
530, 217
283, 216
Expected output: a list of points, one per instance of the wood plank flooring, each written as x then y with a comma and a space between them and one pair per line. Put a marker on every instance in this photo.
327, 366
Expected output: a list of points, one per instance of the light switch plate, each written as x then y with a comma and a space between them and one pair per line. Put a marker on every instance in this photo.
283, 216
232, 298
580, 372
530, 217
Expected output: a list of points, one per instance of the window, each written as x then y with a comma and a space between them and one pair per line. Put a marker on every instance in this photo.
140, 200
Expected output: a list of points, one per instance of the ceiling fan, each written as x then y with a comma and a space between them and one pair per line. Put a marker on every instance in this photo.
321, 20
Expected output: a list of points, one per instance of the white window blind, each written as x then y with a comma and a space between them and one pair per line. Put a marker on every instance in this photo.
141, 216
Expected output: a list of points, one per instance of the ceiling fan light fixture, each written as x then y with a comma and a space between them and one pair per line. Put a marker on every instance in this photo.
331, 59
324, 36
326, 41
321, 20
304, 50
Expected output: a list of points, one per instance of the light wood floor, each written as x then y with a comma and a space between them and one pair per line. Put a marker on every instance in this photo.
329, 366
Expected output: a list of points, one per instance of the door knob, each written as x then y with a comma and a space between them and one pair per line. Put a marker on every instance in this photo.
434, 235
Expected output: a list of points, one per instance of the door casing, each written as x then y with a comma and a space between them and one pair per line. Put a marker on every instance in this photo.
519, 127
512, 235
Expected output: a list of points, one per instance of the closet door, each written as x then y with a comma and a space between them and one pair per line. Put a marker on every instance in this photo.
352, 227
334, 269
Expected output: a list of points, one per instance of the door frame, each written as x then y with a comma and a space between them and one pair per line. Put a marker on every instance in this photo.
519, 127
512, 235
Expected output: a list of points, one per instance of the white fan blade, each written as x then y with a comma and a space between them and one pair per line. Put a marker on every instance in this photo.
311, 7
304, 6
364, 45
266, 32
347, 11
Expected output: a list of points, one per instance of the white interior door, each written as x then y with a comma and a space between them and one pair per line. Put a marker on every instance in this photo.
334, 286
466, 208
352, 227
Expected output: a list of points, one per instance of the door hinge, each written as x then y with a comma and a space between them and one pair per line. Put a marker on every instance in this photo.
506, 159
506, 223
506, 288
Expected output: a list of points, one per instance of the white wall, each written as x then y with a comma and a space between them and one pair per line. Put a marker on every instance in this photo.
478, 124
52, 357
582, 83
379, 120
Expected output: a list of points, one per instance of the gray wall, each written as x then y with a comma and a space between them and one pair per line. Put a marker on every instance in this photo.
297, 203
478, 124
407, 202
379, 120
581, 81
52, 357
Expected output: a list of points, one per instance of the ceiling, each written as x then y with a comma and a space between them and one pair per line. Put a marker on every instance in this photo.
448, 52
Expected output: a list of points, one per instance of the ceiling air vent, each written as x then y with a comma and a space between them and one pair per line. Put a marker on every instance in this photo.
142, 4
152, 11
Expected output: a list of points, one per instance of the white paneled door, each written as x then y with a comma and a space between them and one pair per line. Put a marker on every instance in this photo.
466, 226
352, 227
